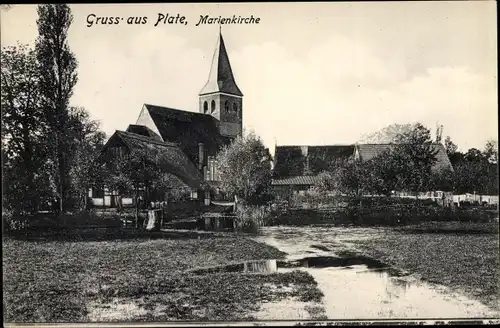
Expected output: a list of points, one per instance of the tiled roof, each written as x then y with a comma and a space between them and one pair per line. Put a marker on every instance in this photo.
188, 129
295, 180
290, 160
221, 78
175, 161
369, 151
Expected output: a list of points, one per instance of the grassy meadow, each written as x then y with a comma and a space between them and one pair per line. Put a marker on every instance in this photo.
79, 281
462, 256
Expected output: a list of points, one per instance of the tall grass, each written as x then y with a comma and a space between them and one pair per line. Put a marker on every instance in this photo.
249, 218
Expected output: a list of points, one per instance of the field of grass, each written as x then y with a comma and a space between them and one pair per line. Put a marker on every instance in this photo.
62, 280
445, 254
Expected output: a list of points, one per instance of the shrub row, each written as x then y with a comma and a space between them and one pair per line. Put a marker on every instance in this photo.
379, 215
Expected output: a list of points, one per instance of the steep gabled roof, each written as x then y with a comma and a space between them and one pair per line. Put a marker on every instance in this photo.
136, 141
368, 151
188, 129
221, 78
143, 130
175, 161
178, 114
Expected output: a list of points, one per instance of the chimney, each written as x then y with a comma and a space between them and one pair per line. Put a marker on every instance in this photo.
305, 154
201, 153
212, 168
209, 168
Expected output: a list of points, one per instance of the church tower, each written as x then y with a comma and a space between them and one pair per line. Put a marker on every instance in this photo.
221, 97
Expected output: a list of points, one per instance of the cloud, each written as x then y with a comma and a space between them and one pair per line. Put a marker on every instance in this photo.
343, 89
328, 88
114, 82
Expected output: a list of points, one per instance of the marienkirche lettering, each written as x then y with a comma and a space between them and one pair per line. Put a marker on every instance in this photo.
206, 19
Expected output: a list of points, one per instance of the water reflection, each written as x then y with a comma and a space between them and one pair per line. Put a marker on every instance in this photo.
362, 288
320, 262
269, 266
264, 266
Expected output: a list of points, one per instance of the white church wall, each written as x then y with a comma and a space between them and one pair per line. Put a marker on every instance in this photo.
146, 120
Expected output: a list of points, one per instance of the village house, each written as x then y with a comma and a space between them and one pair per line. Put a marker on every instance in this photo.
296, 168
188, 140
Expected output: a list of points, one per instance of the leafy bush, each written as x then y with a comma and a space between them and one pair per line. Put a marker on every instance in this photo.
13, 224
314, 199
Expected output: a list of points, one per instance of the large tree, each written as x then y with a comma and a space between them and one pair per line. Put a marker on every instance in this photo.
491, 151
85, 140
22, 130
450, 147
388, 134
141, 171
244, 168
414, 155
58, 76
130, 172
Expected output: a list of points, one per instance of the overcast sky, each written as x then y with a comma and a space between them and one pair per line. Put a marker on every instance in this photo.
323, 73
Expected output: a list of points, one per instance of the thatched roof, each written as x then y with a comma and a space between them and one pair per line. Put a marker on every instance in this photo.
301, 180
173, 159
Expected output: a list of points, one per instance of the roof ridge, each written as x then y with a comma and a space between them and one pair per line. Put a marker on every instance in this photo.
148, 139
179, 110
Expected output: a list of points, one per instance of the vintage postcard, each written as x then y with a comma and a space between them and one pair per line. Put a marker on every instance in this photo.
250, 163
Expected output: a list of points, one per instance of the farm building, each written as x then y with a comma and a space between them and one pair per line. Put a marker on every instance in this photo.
296, 167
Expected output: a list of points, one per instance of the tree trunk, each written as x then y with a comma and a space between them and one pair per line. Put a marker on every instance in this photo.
136, 201
63, 177
85, 201
120, 203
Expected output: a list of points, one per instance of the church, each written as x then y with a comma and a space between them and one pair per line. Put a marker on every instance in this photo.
189, 141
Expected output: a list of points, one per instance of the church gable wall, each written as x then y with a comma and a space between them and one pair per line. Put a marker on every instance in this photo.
146, 120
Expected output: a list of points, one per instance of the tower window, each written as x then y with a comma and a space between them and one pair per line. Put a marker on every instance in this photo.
212, 106
235, 107
205, 107
226, 106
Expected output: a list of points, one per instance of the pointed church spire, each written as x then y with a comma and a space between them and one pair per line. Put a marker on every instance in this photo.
221, 78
